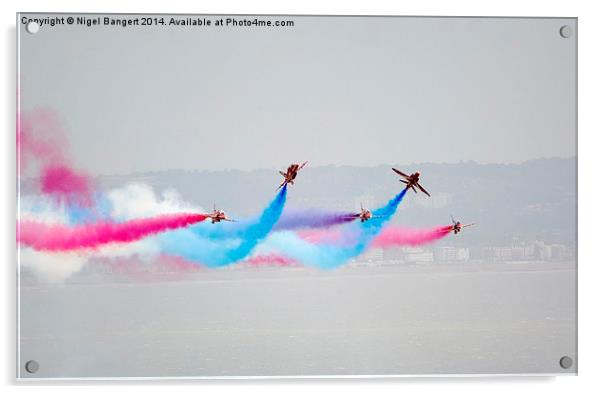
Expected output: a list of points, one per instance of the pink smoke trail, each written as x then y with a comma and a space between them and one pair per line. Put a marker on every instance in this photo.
178, 264
41, 139
403, 236
59, 237
328, 236
271, 260
162, 268
65, 184
389, 237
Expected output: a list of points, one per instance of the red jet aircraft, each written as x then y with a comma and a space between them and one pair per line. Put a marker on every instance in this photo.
411, 181
291, 174
457, 226
364, 214
218, 215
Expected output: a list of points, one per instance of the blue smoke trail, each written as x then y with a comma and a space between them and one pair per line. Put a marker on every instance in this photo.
99, 210
356, 238
74, 213
223, 243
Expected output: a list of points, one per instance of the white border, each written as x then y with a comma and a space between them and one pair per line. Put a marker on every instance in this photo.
28, 378
590, 271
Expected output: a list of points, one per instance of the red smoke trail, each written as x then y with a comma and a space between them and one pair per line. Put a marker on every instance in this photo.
59, 237
389, 237
41, 139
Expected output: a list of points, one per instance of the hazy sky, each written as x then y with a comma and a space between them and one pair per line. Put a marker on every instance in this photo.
338, 90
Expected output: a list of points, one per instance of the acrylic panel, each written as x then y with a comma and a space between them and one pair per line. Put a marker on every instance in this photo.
241, 195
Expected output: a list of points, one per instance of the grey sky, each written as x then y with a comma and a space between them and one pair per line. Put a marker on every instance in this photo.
340, 90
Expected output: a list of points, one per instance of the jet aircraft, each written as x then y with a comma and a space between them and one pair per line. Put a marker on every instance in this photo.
218, 215
457, 226
364, 214
291, 174
411, 181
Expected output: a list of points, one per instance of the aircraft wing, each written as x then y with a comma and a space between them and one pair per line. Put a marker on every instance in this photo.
302, 165
423, 189
400, 173
468, 225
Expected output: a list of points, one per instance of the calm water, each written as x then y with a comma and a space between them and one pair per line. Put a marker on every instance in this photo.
394, 320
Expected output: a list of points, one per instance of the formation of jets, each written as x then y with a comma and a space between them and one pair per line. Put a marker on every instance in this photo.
411, 181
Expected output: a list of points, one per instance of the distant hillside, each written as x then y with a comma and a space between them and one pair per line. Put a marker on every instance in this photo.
533, 200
